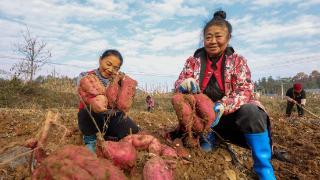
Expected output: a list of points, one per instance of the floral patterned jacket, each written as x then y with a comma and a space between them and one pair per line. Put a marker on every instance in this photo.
236, 78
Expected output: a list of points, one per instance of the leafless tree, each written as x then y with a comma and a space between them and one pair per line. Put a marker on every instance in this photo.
34, 54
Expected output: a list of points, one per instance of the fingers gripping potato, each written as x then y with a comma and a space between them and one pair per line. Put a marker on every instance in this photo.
98, 104
92, 92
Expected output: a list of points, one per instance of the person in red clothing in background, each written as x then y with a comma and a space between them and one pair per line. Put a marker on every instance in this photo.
224, 76
150, 103
295, 95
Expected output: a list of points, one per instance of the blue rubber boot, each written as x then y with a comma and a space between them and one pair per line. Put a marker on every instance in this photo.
90, 142
207, 142
261, 153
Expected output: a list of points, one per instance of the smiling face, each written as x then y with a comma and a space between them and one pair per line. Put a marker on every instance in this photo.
216, 39
109, 65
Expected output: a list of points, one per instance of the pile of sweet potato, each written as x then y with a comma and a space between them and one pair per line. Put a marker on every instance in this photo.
195, 114
123, 154
117, 95
76, 162
68, 162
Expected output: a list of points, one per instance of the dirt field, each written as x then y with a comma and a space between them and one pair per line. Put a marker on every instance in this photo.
296, 141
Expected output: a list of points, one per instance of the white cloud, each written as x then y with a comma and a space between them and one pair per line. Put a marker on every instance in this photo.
267, 30
175, 40
273, 2
156, 37
155, 12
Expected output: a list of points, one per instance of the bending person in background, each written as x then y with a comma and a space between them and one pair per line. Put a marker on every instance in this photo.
113, 123
295, 95
224, 76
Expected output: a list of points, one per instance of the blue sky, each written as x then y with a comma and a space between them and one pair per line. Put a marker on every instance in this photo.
279, 38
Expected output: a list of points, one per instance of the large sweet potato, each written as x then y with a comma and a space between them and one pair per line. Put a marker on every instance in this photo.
198, 124
144, 142
190, 99
112, 92
76, 162
122, 154
157, 169
98, 104
204, 109
92, 85
155, 147
126, 94
92, 92
168, 151
183, 110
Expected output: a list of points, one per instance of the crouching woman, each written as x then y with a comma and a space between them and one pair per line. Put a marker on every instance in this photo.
94, 113
224, 76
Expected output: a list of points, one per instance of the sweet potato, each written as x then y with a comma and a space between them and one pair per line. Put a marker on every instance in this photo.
181, 151
183, 110
155, 147
98, 104
92, 92
92, 85
126, 94
60, 169
198, 124
141, 142
112, 91
168, 151
122, 154
76, 162
190, 99
157, 169
144, 142
204, 109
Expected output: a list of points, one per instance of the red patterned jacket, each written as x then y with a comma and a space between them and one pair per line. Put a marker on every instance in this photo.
236, 78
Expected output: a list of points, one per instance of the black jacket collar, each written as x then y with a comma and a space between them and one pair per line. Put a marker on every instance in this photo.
201, 53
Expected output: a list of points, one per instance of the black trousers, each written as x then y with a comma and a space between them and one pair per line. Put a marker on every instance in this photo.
290, 107
248, 119
115, 125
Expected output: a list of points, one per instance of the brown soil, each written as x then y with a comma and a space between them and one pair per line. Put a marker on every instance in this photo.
298, 138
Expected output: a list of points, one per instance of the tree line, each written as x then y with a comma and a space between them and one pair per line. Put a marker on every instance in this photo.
269, 85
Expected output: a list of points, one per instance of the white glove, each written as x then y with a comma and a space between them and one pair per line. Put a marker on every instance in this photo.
189, 86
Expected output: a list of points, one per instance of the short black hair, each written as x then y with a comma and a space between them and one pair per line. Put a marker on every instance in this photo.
219, 18
113, 52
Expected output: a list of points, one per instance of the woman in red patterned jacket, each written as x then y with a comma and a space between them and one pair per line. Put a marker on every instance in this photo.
224, 76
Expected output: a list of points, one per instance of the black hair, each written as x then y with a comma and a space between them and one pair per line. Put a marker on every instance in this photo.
219, 19
114, 52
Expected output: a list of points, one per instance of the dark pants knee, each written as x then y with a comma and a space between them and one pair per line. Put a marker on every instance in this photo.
120, 126
85, 122
248, 119
251, 119
115, 126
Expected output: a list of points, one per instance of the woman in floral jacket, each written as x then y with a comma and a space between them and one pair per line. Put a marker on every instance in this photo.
224, 76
